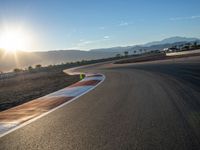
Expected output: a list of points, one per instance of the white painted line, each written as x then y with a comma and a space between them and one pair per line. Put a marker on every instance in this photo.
4, 127
91, 78
13, 128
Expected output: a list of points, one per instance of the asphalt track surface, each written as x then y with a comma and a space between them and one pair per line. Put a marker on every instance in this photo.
154, 105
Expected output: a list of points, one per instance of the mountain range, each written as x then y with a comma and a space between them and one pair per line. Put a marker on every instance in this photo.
158, 45
25, 59
172, 40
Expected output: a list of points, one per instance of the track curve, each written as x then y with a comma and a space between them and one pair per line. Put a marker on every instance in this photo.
152, 105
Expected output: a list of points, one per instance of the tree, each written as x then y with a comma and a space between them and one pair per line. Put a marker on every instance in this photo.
126, 53
38, 66
30, 68
186, 47
83, 61
17, 70
118, 55
49, 66
195, 43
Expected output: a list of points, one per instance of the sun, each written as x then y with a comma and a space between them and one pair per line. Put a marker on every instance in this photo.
13, 40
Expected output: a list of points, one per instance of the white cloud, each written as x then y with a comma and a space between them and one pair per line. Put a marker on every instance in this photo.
184, 18
124, 24
106, 37
83, 43
195, 17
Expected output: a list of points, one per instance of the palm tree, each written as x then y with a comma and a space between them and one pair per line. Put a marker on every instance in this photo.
126, 53
195, 44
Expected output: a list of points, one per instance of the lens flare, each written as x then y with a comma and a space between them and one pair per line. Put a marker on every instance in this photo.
13, 40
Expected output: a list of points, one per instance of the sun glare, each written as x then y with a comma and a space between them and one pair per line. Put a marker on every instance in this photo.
13, 40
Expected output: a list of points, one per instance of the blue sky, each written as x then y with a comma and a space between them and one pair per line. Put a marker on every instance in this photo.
89, 24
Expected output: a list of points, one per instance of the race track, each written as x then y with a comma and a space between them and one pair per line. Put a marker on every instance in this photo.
153, 105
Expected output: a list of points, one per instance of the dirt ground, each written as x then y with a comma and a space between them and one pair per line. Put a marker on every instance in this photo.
25, 87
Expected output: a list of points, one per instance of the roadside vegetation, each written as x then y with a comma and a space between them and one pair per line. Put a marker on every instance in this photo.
28, 86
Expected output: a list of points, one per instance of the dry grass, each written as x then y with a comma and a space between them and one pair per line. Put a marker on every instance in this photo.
29, 86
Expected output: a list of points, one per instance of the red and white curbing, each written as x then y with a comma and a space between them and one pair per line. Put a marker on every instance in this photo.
24, 114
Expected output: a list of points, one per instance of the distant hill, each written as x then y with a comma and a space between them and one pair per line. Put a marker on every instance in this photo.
150, 46
172, 40
25, 59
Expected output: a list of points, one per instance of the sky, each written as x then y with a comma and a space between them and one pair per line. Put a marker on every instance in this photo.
91, 24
